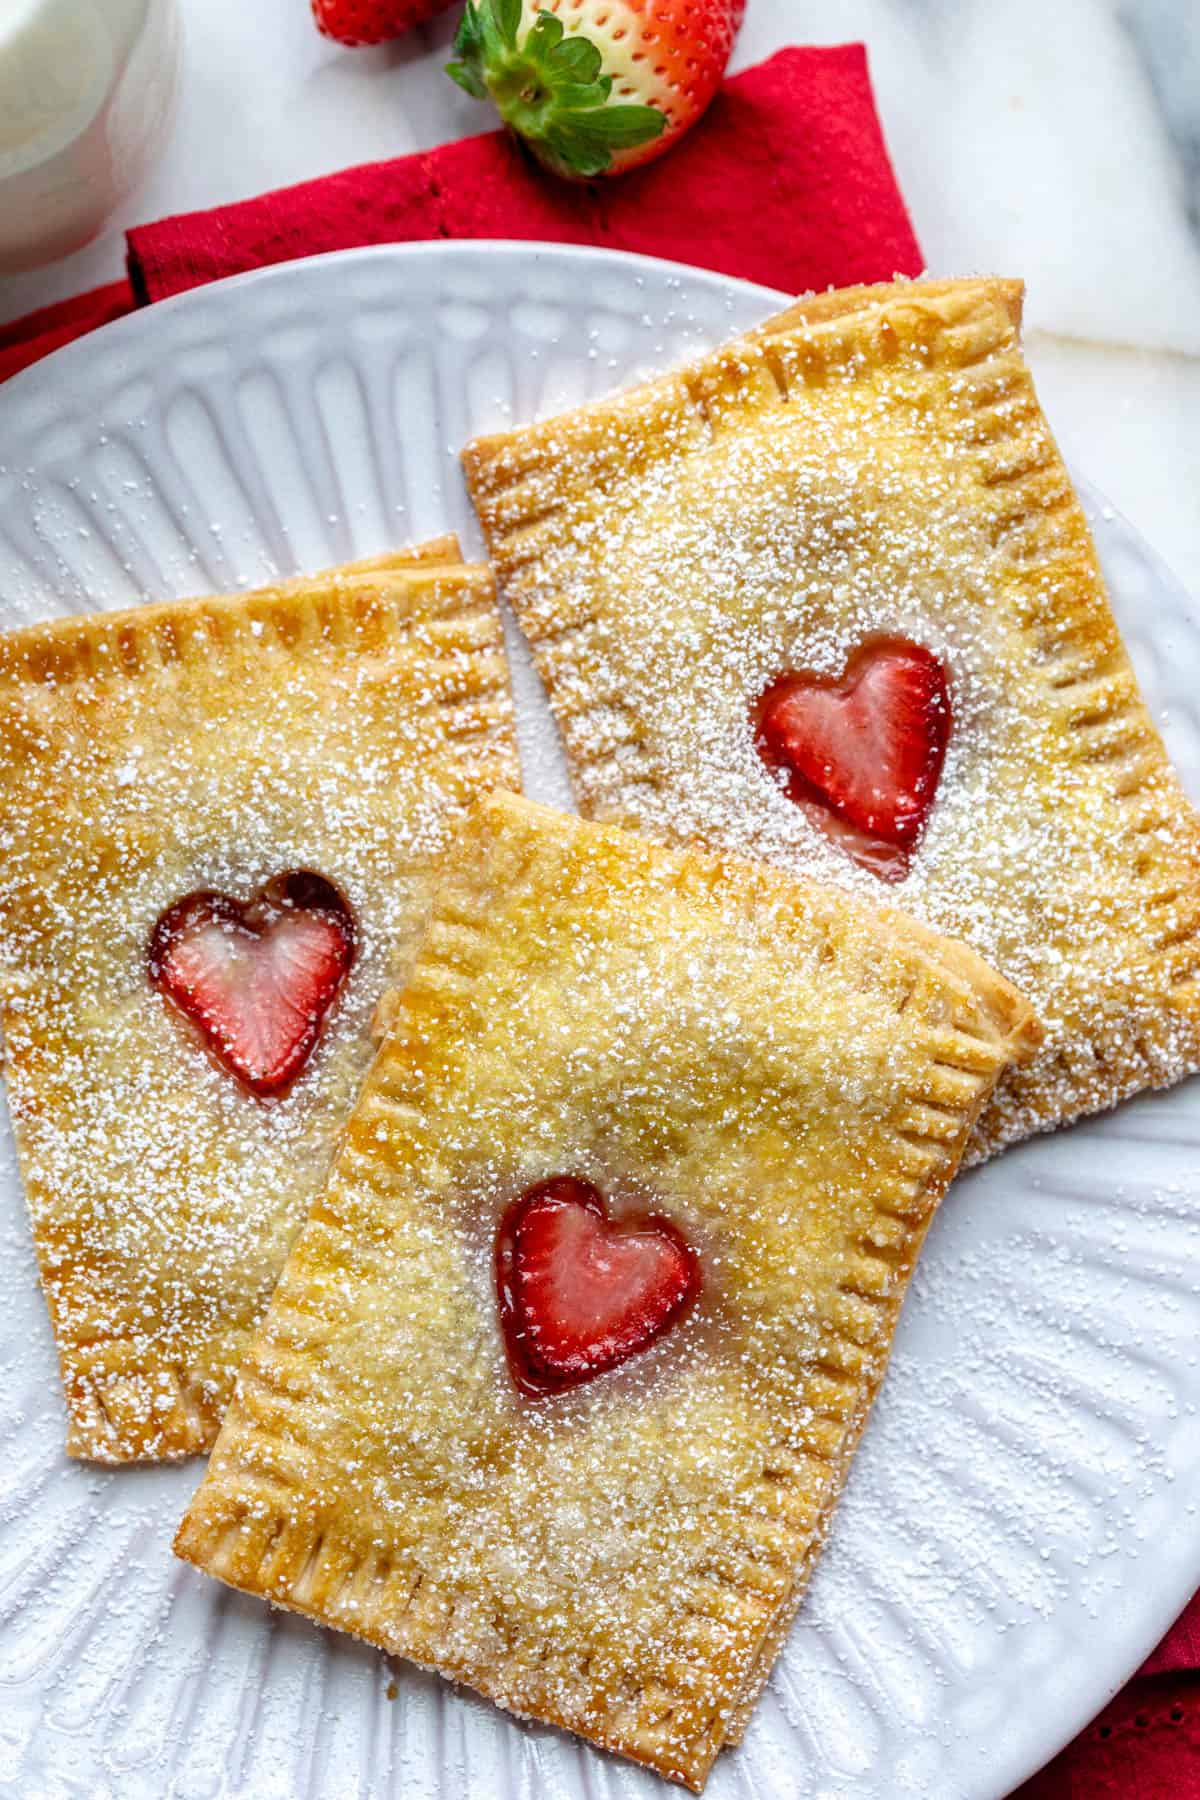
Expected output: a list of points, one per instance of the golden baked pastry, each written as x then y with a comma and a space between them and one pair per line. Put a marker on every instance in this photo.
827, 596
563, 1375
218, 816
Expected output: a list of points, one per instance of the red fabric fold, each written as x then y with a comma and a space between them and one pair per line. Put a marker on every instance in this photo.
27, 340
1180, 1649
1145, 1745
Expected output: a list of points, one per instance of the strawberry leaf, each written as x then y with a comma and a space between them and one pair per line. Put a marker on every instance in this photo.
578, 97
624, 127
468, 43
550, 88
467, 79
508, 20
577, 59
545, 33
494, 45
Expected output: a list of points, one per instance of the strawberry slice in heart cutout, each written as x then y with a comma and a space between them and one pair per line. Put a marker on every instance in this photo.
866, 748
257, 977
580, 1292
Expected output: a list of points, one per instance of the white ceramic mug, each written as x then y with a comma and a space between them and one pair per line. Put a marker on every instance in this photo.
86, 92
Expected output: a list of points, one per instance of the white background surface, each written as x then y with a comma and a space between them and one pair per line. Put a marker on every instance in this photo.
1021, 1522
1058, 141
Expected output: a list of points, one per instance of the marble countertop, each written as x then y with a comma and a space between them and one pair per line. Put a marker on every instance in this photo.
1054, 139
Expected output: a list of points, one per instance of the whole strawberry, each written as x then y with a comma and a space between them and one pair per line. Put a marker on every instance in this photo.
595, 87
357, 22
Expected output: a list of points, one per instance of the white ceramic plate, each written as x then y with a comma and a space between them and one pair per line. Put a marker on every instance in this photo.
1021, 1525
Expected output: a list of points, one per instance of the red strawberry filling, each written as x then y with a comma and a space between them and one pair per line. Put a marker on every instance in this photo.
256, 977
581, 1292
863, 752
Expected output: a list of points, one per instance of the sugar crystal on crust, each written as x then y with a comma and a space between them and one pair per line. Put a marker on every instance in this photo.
335, 725
789, 1079
871, 463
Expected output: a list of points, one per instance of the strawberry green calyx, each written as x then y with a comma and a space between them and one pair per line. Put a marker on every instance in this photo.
548, 88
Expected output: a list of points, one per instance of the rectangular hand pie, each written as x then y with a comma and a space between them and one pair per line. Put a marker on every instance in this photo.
827, 596
218, 817
563, 1375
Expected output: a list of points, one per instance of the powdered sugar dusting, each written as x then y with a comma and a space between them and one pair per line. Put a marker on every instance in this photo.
703, 1046
913, 1647
163, 1195
702, 544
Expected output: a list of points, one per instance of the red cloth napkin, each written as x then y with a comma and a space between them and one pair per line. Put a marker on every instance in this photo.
1180, 1649
38, 333
786, 181
1145, 1745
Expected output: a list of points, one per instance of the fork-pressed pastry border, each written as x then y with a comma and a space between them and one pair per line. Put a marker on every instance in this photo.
267, 1517
435, 620
524, 483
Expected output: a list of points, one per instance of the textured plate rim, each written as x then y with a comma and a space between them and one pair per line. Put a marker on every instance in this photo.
21, 386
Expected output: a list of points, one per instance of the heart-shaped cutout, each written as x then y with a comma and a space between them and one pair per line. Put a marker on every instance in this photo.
865, 749
580, 1292
256, 977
